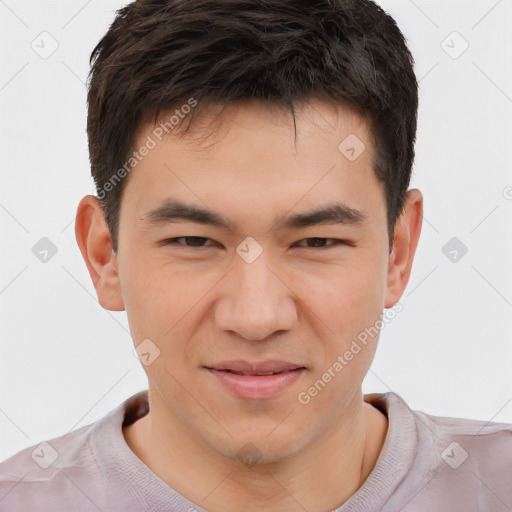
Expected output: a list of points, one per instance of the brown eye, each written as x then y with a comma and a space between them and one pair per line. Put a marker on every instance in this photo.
189, 241
319, 243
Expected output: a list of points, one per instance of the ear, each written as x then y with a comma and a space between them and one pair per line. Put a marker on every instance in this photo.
93, 237
405, 241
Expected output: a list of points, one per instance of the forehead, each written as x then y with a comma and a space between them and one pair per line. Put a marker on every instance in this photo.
248, 159
252, 122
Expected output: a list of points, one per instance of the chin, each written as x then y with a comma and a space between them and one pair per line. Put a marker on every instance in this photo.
262, 448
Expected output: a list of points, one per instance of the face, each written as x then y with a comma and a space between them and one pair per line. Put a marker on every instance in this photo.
255, 283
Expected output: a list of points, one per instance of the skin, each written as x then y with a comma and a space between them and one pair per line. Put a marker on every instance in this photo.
296, 301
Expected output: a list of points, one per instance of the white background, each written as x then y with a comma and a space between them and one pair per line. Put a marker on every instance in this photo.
66, 362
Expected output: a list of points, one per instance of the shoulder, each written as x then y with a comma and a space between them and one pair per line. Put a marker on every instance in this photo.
50, 454
479, 436
41, 476
444, 463
465, 463
488, 444
81, 470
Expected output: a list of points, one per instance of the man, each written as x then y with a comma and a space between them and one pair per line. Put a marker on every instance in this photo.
252, 162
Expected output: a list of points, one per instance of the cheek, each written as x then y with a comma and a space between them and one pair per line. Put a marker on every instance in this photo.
165, 303
344, 298
346, 305
153, 298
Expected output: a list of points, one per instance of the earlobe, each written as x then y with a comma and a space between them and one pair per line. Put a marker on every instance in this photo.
407, 235
93, 238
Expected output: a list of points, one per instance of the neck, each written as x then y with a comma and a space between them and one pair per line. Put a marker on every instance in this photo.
320, 477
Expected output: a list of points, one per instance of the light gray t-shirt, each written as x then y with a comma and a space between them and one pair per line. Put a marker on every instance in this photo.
427, 464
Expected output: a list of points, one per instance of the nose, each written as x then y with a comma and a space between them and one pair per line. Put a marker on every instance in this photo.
256, 302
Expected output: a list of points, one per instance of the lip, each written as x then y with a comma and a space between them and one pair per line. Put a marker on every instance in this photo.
269, 365
256, 387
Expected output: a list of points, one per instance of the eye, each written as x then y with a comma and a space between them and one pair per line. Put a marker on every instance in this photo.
319, 242
196, 241
199, 241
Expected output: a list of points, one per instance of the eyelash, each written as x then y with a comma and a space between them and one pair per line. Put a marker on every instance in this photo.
171, 241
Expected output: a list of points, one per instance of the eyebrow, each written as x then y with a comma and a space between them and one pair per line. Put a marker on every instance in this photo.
176, 211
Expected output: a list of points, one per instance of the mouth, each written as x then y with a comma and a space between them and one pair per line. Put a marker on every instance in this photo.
256, 381
268, 367
259, 374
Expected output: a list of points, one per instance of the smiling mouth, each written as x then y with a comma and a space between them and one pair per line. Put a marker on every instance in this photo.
259, 374
257, 384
